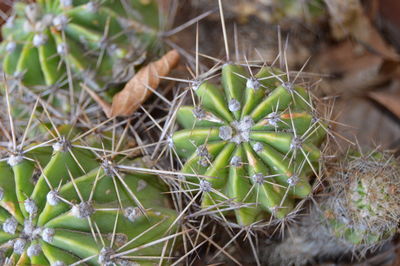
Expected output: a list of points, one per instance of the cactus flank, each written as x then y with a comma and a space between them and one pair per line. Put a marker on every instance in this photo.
253, 142
356, 215
54, 42
365, 209
63, 204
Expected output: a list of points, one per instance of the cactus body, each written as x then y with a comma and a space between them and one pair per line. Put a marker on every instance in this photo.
90, 41
60, 205
364, 210
255, 139
358, 213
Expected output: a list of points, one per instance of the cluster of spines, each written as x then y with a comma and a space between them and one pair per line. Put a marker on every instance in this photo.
62, 204
355, 215
47, 39
364, 209
253, 141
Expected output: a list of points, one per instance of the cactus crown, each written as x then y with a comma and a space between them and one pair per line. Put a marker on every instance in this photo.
252, 142
62, 204
48, 39
365, 207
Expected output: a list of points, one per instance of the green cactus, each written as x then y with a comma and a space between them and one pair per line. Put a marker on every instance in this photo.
61, 204
364, 209
49, 41
255, 141
356, 214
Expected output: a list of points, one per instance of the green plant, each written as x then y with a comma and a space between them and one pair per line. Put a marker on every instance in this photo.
62, 203
364, 209
357, 213
50, 43
252, 142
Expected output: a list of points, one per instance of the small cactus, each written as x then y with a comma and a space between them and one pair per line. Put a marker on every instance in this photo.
364, 209
254, 142
359, 212
61, 204
48, 42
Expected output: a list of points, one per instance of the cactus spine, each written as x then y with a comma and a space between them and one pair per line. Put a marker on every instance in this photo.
48, 42
254, 141
365, 210
61, 204
359, 213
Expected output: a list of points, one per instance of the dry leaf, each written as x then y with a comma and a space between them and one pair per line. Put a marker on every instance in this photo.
351, 69
362, 59
390, 100
139, 88
358, 120
348, 18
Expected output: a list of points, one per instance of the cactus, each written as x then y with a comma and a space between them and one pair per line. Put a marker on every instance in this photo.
357, 214
254, 142
49, 42
61, 204
364, 209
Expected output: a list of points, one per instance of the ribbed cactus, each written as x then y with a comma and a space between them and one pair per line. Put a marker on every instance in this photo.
48, 41
61, 204
365, 207
253, 142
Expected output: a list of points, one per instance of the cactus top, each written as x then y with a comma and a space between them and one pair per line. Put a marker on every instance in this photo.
60, 205
90, 40
254, 140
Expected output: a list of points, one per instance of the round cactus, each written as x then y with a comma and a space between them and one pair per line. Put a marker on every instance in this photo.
253, 142
60, 204
358, 212
48, 42
364, 209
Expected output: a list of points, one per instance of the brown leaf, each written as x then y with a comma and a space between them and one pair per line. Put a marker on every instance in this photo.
351, 69
390, 100
348, 18
138, 89
358, 120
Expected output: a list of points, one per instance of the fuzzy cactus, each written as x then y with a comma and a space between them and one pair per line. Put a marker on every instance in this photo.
61, 204
53, 42
252, 142
364, 209
357, 214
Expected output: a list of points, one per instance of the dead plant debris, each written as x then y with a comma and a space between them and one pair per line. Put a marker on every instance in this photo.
139, 88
